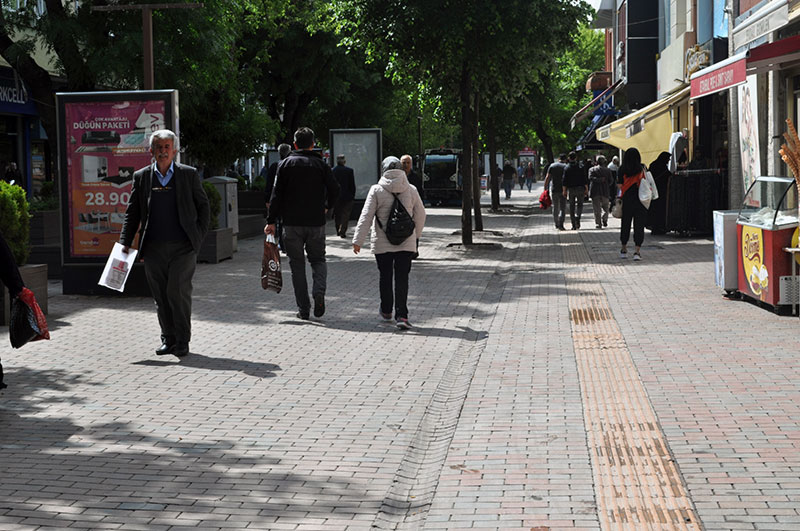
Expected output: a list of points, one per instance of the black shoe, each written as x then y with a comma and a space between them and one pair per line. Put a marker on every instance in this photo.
319, 305
181, 349
165, 348
302, 315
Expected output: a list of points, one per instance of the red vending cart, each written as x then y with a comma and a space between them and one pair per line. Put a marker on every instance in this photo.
767, 221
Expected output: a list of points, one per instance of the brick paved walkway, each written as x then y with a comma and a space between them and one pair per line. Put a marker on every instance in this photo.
477, 418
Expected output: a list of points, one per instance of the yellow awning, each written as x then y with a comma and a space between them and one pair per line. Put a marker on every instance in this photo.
648, 129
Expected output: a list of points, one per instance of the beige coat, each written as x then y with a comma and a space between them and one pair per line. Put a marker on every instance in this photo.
379, 202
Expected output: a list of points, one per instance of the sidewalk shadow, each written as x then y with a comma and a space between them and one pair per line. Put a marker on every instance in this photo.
200, 361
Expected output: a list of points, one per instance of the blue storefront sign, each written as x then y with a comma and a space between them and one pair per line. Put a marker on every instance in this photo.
14, 96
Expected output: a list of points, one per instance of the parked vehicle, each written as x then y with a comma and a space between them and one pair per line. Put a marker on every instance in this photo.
441, 176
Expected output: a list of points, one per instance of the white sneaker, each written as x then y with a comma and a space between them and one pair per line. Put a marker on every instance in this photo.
387, 317
636, 257
623, 254
403, 324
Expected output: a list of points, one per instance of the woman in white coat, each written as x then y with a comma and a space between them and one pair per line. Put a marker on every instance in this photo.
392, 259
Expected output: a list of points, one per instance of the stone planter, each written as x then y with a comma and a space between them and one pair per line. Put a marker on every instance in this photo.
35, 278
217, 246
45, 228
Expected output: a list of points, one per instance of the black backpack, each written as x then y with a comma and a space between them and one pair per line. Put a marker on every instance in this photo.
399, 225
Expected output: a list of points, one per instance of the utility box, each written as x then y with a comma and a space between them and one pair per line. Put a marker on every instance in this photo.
229, 207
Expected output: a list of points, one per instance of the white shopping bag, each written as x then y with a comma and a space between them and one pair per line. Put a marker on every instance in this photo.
118, 267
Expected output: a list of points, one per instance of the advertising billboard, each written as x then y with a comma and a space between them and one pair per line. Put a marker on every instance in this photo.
104, 138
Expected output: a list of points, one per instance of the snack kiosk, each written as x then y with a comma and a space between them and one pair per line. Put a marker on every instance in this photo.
767, 221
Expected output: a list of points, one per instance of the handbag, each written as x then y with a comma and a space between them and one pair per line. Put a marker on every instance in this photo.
271, 278
647, 189
616, 208
27, 322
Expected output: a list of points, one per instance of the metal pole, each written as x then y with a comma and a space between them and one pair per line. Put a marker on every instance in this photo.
147, 44
419, 149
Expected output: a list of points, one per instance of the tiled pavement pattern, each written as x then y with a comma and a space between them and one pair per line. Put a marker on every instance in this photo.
474, 419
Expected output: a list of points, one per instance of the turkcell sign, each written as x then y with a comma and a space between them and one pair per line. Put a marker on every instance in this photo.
724, 77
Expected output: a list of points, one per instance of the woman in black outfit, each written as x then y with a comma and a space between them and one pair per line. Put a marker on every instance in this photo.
630, 173
9, 275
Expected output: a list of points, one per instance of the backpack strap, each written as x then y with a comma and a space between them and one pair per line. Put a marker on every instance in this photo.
390, 212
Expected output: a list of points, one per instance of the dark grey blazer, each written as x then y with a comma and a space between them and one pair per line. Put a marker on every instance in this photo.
193, 207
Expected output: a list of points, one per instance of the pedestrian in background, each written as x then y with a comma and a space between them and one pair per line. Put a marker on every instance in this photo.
413, 177
283, 152
304, 192
347, 193
169, 209
520, 176
555, 181
657, 213
631, 173
508, 178
393, 260
575, 189
601, 182
530, 176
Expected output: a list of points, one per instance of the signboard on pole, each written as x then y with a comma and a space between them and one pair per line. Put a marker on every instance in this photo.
103, 138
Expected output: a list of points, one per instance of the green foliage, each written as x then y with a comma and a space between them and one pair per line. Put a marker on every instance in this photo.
259, 184
241, 183
45, 199
215, 203
15, 221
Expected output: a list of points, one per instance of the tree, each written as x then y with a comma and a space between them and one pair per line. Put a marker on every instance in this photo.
197, 53
474, 43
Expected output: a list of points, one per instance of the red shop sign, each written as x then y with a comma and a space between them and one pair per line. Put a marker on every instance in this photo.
719, 78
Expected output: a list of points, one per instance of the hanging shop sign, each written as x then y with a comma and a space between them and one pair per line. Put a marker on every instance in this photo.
721, 76
769, 18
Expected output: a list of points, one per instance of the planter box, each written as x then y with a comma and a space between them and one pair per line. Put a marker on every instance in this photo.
217, 246
35, 278
45, 228
251, 202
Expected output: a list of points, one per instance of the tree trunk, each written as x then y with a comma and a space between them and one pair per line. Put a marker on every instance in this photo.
466, 156
547, 141
494, 181
476, 178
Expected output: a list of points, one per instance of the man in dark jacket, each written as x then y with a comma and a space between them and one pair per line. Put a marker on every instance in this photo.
169, 204
413, 177
304, 192
554, 182
347, 194
575, 188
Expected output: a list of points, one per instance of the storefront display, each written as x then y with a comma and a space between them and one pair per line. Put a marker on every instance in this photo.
766, 224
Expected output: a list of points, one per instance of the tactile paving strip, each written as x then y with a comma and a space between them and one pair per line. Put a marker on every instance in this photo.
637, 482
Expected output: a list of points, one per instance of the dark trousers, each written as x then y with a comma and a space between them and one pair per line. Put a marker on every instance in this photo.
508, 185
299, 241
576, 195
169, 268
341, 216
632, 211
398, 263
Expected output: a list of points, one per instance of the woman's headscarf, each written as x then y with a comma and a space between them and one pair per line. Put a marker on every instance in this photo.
391, 163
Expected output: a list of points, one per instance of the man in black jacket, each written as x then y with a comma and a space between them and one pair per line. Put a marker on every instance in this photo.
575, 189
304, 192
347, 194
169, 204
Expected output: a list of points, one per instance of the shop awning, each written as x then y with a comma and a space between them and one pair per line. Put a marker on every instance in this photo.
590, 107
648, 129
588, 139
773, 56
719, 76
604, 18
